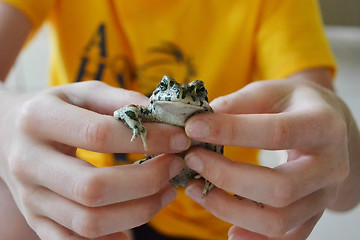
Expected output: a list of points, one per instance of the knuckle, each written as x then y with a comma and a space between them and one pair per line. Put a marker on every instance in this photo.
339, 130
95, 133
17, 164
283, 193
89, 190
255, 86
333, 126
217, 209
337, 140
232, 132
154, 182
282, 134
27, 118
154, 185
150, 211
276, 226
87, 223
94, 84
343, 171
27, 198
216, 176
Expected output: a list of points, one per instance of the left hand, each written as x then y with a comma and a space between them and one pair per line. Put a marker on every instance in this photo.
301, 117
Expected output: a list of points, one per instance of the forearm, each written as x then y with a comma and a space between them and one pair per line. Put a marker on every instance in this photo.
320, 76
14, 29
12, 223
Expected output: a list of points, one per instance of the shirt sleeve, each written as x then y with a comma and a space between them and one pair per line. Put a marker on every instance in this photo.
290, 38
35, 10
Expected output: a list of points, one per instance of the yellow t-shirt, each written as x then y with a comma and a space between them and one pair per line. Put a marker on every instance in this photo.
132, 44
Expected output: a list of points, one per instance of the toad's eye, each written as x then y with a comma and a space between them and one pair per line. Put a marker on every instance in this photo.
200, 91
162, 86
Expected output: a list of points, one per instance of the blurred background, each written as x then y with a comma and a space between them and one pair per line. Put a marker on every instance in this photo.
342, 20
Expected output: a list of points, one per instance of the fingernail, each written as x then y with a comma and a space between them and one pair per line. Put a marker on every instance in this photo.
235, 237
194, 162
231, 231
168, 196
194, 192
176, 165
231, 235
197, 129
180, 142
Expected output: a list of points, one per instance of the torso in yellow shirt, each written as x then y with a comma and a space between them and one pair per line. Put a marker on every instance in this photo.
227, 44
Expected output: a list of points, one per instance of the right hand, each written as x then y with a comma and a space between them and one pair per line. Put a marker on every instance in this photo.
61, 196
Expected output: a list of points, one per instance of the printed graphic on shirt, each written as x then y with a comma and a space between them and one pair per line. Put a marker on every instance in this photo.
96, 60
165, 59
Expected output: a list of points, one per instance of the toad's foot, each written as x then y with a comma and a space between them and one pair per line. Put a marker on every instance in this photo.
257, 203
208, 186
131, 116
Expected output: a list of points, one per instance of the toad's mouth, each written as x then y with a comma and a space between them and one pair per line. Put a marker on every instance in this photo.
175, 113
178, 104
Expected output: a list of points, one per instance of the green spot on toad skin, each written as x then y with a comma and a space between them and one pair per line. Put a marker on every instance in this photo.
131, 115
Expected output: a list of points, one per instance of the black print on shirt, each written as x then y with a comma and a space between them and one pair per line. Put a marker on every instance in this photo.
97, 42
167, 58
96, 56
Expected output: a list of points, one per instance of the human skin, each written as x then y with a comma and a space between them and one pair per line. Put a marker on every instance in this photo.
301, 115
54, 190
44, 187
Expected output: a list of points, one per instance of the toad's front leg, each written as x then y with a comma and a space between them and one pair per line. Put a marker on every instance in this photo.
131, 115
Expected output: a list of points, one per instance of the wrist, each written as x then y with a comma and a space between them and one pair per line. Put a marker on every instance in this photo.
320, 76
10, 106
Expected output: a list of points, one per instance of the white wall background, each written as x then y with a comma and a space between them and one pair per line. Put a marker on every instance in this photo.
31, 73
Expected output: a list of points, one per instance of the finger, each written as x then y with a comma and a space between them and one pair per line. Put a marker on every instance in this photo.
74, 126
277, 187
257, 97
90, 186
99, 221
300, 232
304, 230
98, 96
48, 229
288, 130
238, 233
267, 221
